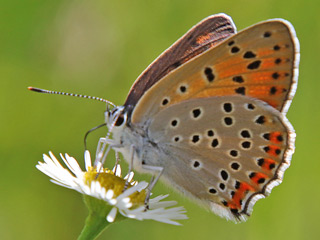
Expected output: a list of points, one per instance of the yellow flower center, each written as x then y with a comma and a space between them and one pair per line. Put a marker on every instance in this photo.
109, 181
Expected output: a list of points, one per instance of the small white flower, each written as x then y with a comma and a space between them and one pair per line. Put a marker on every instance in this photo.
108, 185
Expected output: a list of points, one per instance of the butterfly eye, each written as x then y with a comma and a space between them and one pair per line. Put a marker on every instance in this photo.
120, 120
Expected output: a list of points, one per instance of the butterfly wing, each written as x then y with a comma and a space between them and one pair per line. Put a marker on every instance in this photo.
259, 62
219, 121
198, 39
224, 151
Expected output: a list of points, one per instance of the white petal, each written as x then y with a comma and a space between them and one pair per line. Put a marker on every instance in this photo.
118, 170
112, 215
54, 159
159, 198
140, 186
72, 164
113, 201
56, 172
87, 160
129, 176
109, 194
128, 205
126, 200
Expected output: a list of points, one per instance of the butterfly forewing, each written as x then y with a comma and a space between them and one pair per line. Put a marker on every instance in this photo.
259, 62
223, 150
203, 36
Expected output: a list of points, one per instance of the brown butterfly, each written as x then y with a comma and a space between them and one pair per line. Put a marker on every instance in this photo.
209, 113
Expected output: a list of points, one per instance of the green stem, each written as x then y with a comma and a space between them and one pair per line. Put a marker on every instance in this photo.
96, 221
94, 226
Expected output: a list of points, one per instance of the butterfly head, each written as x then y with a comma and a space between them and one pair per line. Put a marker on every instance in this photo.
117, 120
116, 117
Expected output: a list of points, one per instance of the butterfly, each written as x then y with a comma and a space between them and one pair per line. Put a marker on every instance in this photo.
209, 114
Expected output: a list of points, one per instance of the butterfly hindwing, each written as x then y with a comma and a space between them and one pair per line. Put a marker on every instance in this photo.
259, 62
224, 151
198, 39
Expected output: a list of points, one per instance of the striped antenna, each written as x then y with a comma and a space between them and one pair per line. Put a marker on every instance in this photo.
39, 90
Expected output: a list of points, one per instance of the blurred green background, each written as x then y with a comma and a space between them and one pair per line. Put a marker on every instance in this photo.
98, 48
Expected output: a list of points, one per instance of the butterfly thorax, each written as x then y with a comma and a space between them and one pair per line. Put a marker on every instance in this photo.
129, 139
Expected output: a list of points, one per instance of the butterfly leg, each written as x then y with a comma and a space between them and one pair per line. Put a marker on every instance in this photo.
102, 144
102, 152
117, 161
132, 151
153, 181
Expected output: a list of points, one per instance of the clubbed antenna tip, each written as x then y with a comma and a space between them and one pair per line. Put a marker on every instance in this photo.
39, 90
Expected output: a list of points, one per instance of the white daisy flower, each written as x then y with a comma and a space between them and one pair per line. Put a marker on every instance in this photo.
106, 189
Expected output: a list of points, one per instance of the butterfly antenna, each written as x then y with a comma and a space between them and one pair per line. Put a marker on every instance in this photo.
39, 90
